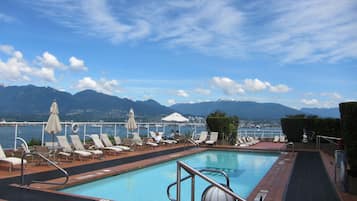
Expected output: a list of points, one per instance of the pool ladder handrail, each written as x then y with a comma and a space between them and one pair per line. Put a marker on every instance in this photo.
192, 173
50, 162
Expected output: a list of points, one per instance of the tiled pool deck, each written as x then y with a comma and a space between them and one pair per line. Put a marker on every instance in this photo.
274, 182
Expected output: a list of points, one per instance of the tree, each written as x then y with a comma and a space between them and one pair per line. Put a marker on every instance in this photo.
225, 126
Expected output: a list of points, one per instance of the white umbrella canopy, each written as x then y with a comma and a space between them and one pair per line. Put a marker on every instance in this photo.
175, 117
53, 124
131, 124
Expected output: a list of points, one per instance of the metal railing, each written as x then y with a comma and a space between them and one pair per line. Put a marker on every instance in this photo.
327, 138
192, 173
88, 127
47, 160
261, 132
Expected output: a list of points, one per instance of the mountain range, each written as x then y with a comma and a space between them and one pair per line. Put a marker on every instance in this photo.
31, 103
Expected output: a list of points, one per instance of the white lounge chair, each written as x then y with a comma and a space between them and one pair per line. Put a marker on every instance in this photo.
276, 139
78, 145
159, 139
283, 139
99, 145
138, 141
67, 149
242, 143
105, 139
213, 138
203, 137
12, 161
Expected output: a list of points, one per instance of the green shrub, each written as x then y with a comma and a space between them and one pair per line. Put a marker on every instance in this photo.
293, 126
225, 126
348, 113
34, 142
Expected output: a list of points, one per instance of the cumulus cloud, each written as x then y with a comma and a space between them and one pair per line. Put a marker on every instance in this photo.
228, 86
103, 85
182, 93
7, 49
280, 88
203, 91
310, 102
255, 84
16, 68
50, 61
231, 87
77, 64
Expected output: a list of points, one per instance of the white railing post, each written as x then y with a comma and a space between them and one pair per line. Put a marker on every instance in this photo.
43, 134
84, 133
115, 129
16, 127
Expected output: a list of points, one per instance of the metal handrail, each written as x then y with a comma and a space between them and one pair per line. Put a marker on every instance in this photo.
190, 176
193, 172
327, 138
50, 162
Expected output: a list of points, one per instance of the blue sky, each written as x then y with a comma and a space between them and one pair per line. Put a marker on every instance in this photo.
301, 54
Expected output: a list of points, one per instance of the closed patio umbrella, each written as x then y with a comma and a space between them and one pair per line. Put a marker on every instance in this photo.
53, 124
131, 124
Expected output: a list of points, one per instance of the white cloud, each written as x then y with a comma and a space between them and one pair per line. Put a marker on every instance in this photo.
77, 64
203, 91
280, 88
171, 101
255, 85
228, 86
103, 85
231, 87
210, 27
7, 49
333, 95
6, 18
310, 102
50, 61
17, 69
310, 31
182, 93
305, 31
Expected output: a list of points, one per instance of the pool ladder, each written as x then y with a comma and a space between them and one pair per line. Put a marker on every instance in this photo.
31, 153
192, 173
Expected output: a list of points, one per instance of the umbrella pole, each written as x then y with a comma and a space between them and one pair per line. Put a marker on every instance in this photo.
53, 147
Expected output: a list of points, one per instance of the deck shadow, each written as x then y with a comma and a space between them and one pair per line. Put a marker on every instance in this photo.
309, 180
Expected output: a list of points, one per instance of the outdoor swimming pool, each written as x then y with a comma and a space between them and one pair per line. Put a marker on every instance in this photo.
245, 170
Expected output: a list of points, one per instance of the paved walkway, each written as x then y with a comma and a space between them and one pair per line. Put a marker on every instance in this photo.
309, 180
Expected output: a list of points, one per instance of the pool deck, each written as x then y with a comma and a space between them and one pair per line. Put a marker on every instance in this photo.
275, 182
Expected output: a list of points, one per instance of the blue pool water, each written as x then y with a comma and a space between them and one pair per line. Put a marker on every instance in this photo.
245, 170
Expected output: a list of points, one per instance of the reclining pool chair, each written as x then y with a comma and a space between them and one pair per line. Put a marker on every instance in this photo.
159, 139
138, 141
213, 138
119, 143
99, 145
105, 139
68, 151
12, 161
78, 145
203, 137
